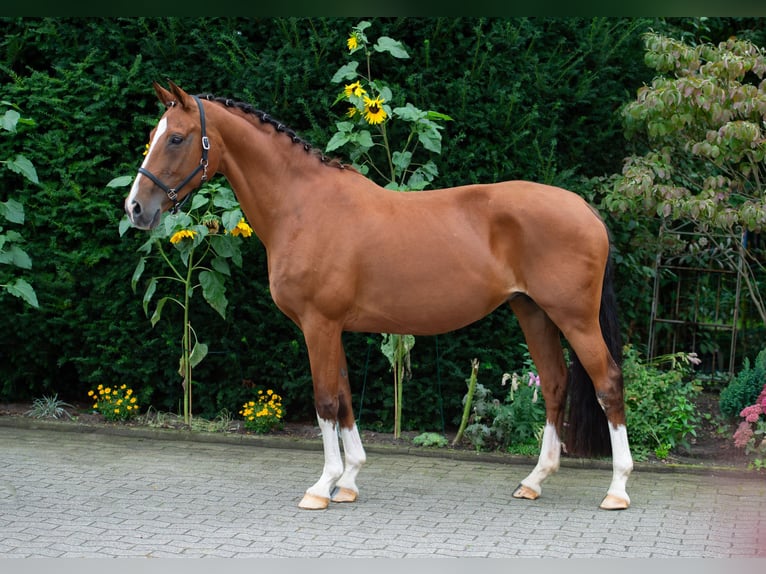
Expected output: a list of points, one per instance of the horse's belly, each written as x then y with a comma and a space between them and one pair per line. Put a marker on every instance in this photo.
425, 307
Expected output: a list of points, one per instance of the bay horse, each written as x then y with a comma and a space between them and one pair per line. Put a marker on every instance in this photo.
345, 254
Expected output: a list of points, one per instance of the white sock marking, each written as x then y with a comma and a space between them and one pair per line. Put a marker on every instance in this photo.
548, 462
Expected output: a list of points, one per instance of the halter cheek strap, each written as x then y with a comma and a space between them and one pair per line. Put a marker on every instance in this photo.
172, 192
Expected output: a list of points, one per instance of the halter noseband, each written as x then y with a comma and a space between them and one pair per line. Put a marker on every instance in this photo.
172, 191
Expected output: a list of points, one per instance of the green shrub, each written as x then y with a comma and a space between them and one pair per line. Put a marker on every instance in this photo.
743, 390
518, 419
659, 404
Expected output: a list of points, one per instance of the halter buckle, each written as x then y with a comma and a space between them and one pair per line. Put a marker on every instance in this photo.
205, 143
172, 195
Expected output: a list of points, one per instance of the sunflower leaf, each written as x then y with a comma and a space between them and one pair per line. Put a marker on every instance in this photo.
345, 72
393, 47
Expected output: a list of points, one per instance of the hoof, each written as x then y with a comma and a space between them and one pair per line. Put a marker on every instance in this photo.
612, 502
344, 495
525, 492
313, 502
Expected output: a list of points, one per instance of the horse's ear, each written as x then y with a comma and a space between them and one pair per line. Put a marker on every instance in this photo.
164, 96
180, 96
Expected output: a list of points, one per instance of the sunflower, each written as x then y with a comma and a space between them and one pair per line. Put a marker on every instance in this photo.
352, 43
354, 89
351, 112
242, 229
373, 110
179, 236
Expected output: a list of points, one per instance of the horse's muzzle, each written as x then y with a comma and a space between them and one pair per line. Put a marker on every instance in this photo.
141, 218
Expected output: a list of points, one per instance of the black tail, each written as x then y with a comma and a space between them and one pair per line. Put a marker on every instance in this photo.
588, 432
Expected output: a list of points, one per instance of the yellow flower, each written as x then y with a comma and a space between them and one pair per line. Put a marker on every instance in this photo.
108, 390
133, 400
90, 393
123, 387
352, 42
100, 387
354, 89
146, 149
180, 235
373, 110
128, 392
242, 229
351, 112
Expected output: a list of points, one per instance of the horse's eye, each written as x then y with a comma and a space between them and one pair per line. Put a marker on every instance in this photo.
175, 140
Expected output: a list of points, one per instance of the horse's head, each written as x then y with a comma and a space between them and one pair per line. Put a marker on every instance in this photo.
176, 160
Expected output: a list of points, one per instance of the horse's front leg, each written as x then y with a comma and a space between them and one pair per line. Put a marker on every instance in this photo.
333, 406
346, 489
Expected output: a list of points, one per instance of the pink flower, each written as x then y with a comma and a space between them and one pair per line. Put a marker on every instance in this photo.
743, 435
533, 379
751, 413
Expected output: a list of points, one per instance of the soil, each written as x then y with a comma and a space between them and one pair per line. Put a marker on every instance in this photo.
712, 447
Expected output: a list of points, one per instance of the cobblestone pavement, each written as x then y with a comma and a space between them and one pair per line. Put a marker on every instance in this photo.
74, 494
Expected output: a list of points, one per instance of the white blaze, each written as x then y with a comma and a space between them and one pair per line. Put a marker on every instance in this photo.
161, 129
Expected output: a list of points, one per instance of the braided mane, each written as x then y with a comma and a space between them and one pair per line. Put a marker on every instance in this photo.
278, 126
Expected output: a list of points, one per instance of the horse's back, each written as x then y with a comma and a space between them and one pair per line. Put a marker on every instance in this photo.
437, 260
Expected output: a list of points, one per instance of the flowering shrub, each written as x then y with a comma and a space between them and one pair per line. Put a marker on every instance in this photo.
518, 420
660, 402
751, 433
263, 414
116, 404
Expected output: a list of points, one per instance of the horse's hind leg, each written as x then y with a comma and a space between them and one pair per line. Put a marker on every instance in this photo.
542, 338
607, 380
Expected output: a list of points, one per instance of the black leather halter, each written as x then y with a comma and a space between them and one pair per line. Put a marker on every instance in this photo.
172, 192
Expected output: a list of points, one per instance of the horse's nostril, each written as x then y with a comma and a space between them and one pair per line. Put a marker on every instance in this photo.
136, 208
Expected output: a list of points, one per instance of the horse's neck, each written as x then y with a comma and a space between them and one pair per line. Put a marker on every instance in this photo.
268, 173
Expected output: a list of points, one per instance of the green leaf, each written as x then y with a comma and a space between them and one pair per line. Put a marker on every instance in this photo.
345, 72
214, 291
10, 119
158, 311
393, 47
199, 200
222, 245
395, 347
409, 113
12, 210
20, 257
198, 353
20, 288
23, 166
363, 139
222, 266
16, 256
231, 218
401, 161
121, 181
149, 293
124, 225
432, 115
137, 273
225, 198
338, 140
431, 139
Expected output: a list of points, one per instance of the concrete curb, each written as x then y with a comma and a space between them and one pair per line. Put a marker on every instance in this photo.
283, 442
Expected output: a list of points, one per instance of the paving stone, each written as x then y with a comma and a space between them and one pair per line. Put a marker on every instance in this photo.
68, 494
